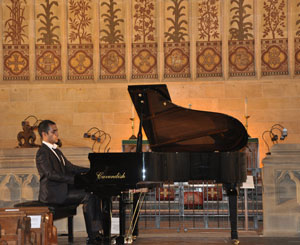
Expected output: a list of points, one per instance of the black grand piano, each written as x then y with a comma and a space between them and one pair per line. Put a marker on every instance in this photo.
186, 145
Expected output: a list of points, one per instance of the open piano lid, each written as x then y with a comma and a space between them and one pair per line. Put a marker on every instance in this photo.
171, 128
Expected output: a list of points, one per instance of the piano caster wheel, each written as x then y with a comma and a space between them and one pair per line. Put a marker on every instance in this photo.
129, 240
235, 242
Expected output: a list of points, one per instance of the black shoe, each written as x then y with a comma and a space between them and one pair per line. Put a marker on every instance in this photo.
91, 241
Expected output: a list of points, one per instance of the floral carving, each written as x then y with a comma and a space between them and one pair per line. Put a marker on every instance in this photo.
144, 20
241, 28
112, 34
48, 28
274, 18
208, 22
80, 21
298, 22
177, 31
15, 27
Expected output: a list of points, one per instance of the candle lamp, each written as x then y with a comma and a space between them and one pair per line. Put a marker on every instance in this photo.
246, 113
132, 137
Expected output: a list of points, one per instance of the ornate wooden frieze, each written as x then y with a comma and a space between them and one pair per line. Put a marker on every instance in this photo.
80, 63
144, 46
209, 59
112, 45
241, 58
274, 42
297, 56
177, 63
112, 61
55, 39
48, 62
80, 46
297, 41
241, 43
208, 44
48, 47
144, 60
176, 45
15, 40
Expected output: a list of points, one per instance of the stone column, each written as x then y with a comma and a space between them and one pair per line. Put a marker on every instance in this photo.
281, 191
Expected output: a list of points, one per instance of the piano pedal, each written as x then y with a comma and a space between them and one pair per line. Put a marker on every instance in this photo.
235, 241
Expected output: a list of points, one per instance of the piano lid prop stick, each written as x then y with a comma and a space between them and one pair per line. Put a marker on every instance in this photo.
140, 133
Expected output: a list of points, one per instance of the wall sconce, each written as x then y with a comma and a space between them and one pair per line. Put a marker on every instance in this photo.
26, 138
98, 136
273, 136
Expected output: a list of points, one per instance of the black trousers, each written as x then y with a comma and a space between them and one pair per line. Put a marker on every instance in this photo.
91, 209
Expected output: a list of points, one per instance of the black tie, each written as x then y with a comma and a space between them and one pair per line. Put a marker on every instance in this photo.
59, 154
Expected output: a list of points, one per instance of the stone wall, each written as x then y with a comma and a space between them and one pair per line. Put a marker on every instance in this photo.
78, 107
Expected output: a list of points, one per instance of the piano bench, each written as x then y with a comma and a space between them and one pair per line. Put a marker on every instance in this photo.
58, 211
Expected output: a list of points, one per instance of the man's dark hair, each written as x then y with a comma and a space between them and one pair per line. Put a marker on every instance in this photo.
44, 126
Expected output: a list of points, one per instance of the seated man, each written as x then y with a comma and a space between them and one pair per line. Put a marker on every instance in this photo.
57, 180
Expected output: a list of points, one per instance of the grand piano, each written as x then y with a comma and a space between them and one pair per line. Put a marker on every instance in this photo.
186, 145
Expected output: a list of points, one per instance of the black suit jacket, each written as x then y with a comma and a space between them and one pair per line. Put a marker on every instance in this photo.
54, 175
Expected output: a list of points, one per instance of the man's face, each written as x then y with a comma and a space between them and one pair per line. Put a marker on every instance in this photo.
52, 135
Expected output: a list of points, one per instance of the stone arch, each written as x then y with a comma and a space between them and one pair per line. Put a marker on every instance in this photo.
285, 187
30, 188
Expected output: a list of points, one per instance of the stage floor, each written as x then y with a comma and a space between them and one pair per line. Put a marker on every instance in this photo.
195, 237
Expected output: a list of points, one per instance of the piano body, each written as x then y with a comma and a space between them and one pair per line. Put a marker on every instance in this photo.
186, 145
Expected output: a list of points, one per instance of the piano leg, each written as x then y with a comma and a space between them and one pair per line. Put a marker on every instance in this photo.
122, 215
232, 193
106, 218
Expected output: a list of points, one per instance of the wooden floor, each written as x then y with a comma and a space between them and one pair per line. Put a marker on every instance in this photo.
196, 237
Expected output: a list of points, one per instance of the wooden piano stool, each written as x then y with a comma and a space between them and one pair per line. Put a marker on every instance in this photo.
57, 211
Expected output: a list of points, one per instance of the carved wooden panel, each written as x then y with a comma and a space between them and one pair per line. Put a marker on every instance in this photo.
144, 46
176, 44
15, 40
241, 39
209, 45
80, 46
48, 47
297, 40
274, 42
112, 40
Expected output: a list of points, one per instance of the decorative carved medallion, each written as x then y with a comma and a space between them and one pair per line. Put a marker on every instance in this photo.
274, 57
177, 60
241, 58
80, 62
209, 59
112, 61
16, 62
144, 61
48, 62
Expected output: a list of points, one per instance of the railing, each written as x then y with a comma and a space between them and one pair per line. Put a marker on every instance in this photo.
204, 205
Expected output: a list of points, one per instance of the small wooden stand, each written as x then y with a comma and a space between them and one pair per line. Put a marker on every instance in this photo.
28, 225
